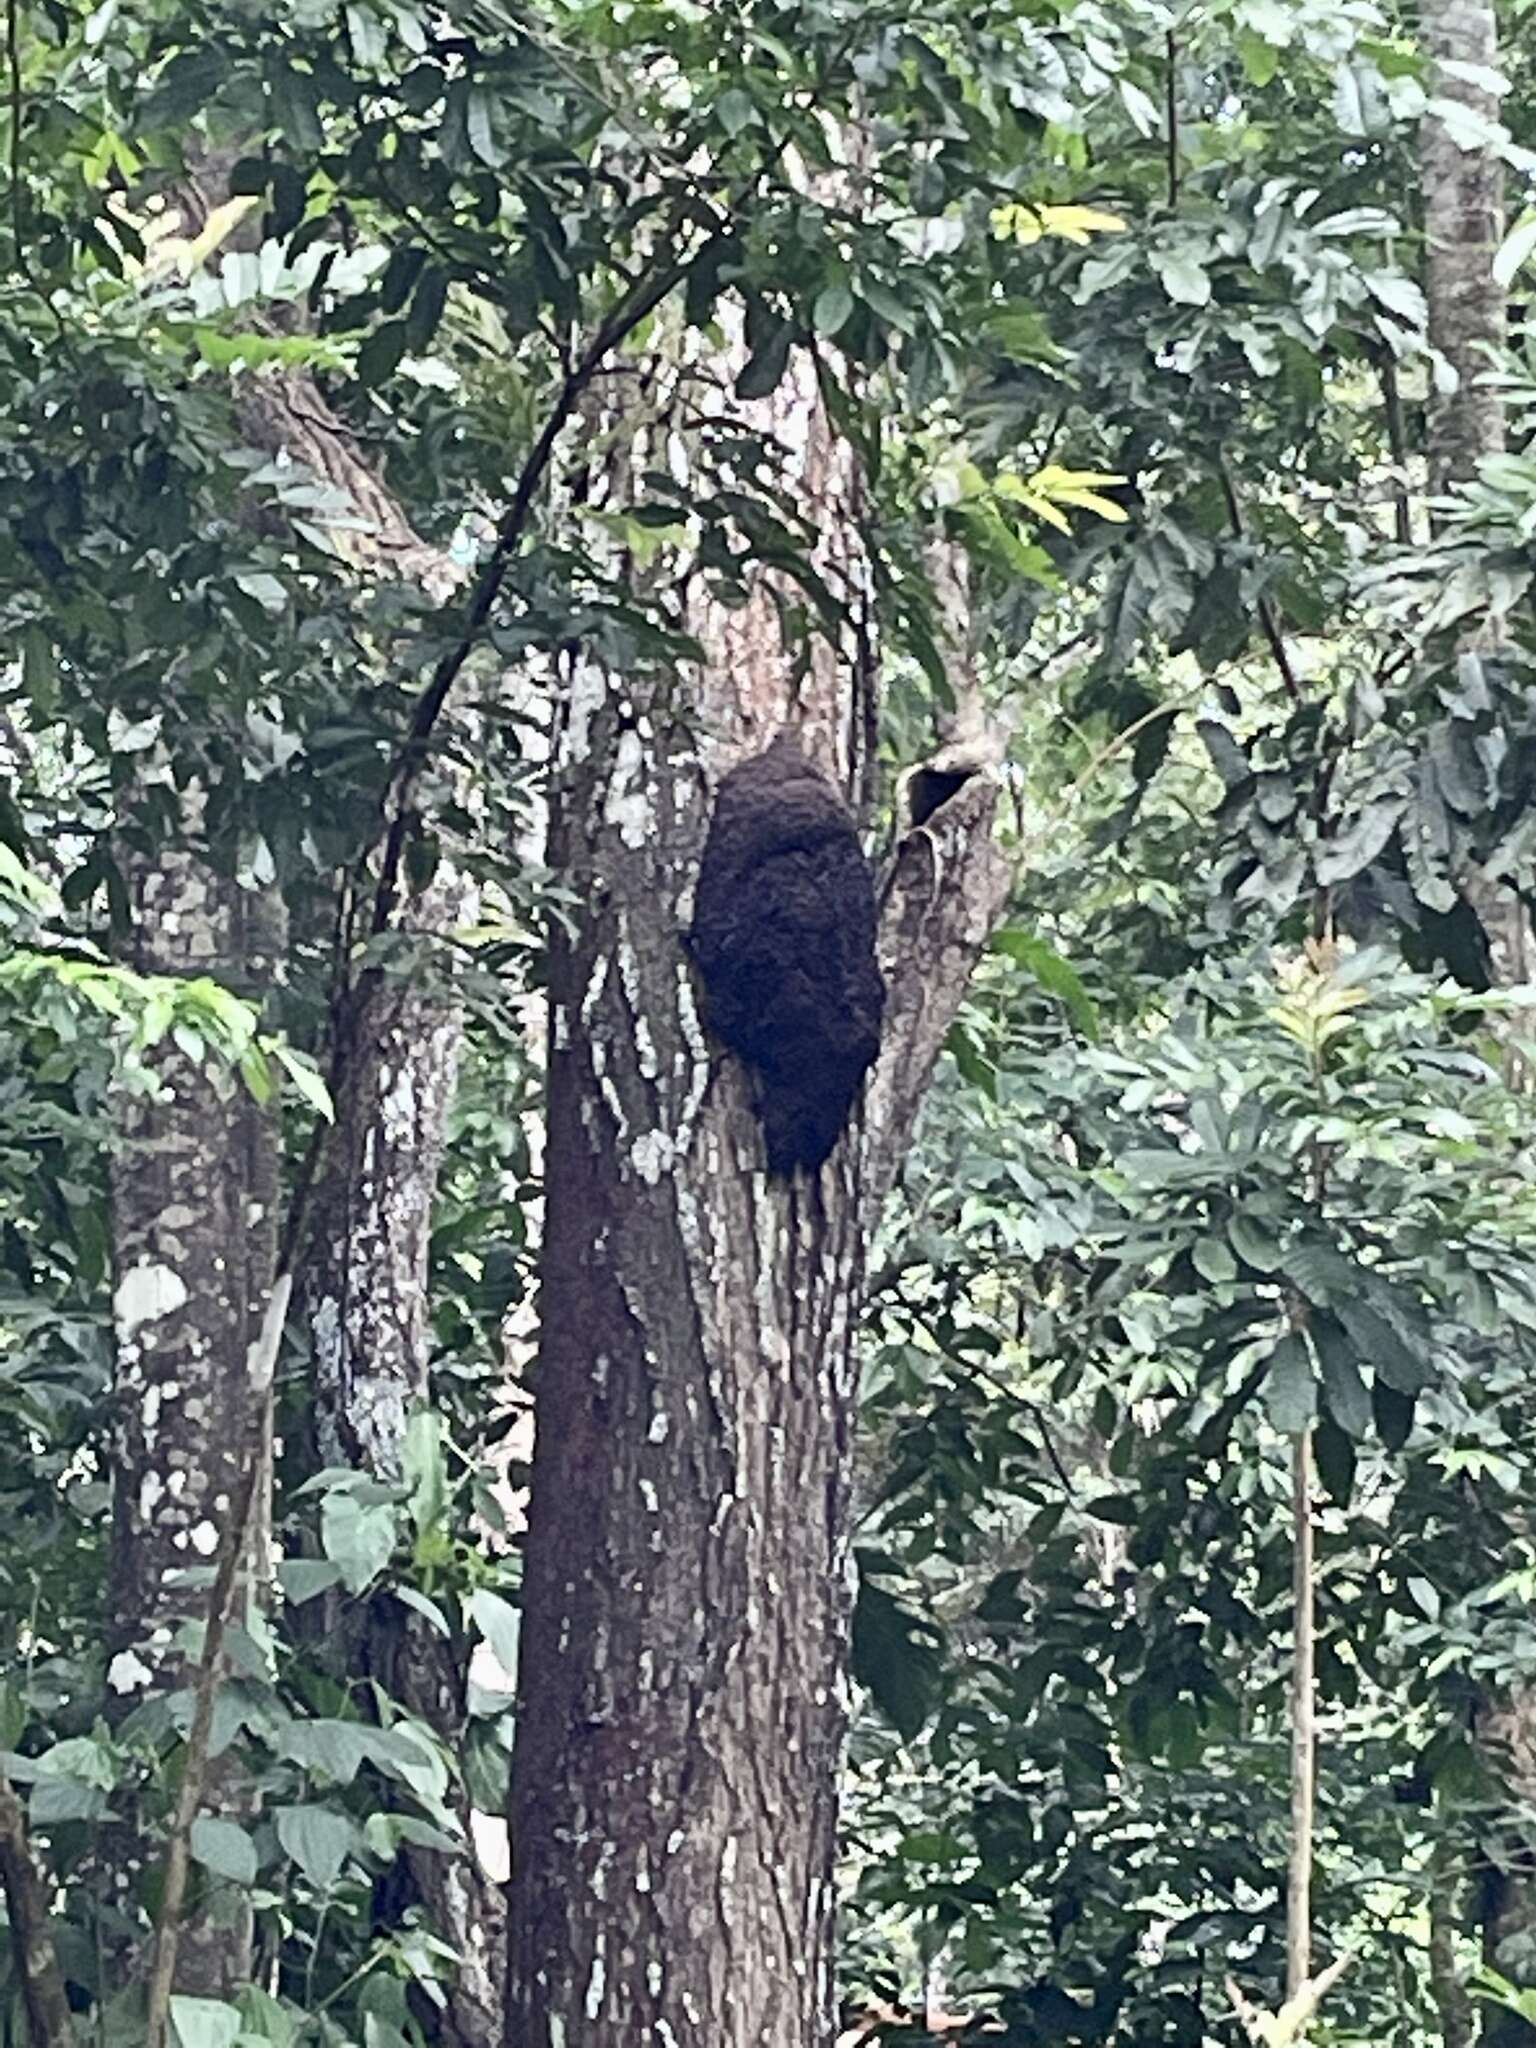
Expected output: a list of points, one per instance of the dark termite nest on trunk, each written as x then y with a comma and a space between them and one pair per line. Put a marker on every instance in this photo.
784, 938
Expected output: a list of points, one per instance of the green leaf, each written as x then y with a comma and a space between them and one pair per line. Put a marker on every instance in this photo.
384, 1832
971, 1061
1400, 295
1376, 1341
318, 1840
1058, 977
765, 369
53, 1800
1213, 1261
225, 1848
895, 1657
335, 1749
425, 316
500, 1623
1115, 1508
358, 1538
1425, 1598
379, 356
1335, 1455
301, 1578
424, 1468
1394, 1414
409, 1754
295, 102
1186, 281
1515, 251
834, 304
1290, 1392
262, 2017
204, 2022
308, 1084
1344, 1389
414, 1598
266, 589
735, 110
80, 1757
1254, 1244
480, 124
368, 36
1261, 60
256, 1073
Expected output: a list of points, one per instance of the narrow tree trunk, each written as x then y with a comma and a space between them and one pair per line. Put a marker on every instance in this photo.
365, 1270
362, 1281
1298, 1901
686, 1588
1463, 193
365, 1309
1447, 1918
195, 1191
24, 1887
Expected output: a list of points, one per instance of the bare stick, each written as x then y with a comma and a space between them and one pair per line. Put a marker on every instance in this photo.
1298, 1900
1171, 111
260, 1365
1268, 619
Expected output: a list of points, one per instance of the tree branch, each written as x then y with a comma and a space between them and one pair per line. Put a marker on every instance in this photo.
37, 1963
635, 307
942, 896
1171, 107
1298, 1903
1283, 2028
1397, 441
1266, 611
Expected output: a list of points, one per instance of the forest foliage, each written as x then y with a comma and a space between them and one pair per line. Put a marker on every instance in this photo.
1233, 1137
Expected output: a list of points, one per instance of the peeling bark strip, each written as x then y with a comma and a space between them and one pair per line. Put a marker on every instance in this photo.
686, 1588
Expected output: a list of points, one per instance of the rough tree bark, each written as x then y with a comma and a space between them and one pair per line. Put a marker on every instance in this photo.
194, 1198
196, 1195
686, 1590
363, 1271
364, 1308
1463, 197
362, 1296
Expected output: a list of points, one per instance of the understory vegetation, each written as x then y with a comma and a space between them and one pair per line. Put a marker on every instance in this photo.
371, 380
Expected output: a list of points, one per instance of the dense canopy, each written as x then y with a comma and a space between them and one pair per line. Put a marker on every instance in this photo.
494, 1551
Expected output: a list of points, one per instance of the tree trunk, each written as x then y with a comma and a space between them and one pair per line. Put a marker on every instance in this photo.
364, 1270
364, 1306
686, 1588
1463, 193
363, 1292
194, 1195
